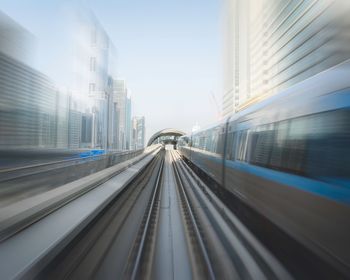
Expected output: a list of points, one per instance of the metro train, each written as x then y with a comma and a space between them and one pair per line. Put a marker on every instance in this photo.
288, 158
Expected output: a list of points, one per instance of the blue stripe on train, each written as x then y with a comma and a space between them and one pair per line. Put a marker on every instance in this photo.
333, 192
338, 193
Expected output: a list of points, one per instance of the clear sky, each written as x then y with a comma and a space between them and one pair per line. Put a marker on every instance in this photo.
169, 51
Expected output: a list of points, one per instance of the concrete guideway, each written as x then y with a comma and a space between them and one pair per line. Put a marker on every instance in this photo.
101, 250
22, 213
155, 220
39, 243
234, 252
22, 182
172, 247
193, 236
171, 254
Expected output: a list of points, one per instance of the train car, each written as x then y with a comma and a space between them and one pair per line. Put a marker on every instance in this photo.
288, 158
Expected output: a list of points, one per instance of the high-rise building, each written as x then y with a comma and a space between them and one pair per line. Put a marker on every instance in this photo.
35, 114
274, 44
237, 55
86, 130
138, 133
93, 67
74, 128
28, 116
128, 124
15, 41
111, 116
115, 124
120, 98
62, 115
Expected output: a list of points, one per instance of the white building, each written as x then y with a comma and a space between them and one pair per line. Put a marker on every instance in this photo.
138, 133
236, 79
28, 112
94, 64
273, 44
15, 41
128, 111
120, 93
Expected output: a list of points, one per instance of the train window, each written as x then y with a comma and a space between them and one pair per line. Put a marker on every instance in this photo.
251, 139
315, 146
328, 149
221, 141
184, 141
299, 128
207, 140
196, 141
229, 146
281, 135
294, 148
234, 145
275, 147
215, 138
252, 143
262, 143
190, 142
201, 141
242, 145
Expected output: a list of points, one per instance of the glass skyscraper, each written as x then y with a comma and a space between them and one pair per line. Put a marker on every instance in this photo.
274, 44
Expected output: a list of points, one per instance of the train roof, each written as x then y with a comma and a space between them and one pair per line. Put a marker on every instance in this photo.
331, 80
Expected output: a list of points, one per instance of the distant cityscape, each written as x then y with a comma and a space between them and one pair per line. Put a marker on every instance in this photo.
269, 47
96, 113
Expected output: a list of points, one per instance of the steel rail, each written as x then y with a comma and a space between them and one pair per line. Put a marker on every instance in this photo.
193, 220
142, 244
268, 264
86, 256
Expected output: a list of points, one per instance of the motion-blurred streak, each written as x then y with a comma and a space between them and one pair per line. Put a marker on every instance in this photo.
271, 45
94, 113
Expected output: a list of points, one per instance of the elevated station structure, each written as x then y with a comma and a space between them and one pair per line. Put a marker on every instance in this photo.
166, 136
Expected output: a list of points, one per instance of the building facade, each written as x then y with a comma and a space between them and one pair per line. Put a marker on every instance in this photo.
273, 44
94, 65
120, 93
15, 41
138, 133
94, 113
28, 99
128, 113
236, 79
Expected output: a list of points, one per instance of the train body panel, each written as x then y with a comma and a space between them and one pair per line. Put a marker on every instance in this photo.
210, 163
288, 158
320, 223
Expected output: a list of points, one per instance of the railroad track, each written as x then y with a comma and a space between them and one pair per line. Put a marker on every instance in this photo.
194, 228
232, 250
166, 224
143, 263
90, 253
217, 244
139, 264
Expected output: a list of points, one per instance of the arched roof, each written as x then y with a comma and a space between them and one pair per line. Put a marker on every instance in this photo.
165, 132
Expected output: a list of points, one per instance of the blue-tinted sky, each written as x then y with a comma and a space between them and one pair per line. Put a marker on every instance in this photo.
168, 51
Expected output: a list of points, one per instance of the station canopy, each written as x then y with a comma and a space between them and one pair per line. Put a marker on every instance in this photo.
168, 135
